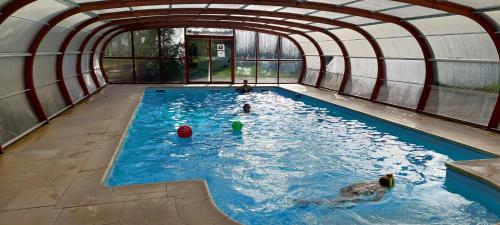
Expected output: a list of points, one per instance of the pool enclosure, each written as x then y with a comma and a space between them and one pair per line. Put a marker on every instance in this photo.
431, 56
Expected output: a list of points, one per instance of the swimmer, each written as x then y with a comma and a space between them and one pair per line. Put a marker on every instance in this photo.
245, 88
246, 108
358, 192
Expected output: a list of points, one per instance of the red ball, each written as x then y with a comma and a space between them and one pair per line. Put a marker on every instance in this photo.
185, 131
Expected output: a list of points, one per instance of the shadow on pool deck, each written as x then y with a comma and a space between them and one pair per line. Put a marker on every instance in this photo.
53, 175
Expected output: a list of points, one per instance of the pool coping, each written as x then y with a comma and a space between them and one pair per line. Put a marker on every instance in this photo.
454, 165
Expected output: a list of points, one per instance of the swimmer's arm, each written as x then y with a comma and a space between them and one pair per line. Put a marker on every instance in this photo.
379, 195
318, 201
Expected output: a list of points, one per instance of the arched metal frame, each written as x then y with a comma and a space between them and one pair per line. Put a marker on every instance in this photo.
427, 51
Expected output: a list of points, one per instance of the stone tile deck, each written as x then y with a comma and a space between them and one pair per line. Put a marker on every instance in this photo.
53, 175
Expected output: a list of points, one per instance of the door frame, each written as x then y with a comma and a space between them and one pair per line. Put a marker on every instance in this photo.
210, 38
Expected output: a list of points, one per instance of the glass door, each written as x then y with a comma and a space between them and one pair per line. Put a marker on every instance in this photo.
221, 60
210, 59
199, 59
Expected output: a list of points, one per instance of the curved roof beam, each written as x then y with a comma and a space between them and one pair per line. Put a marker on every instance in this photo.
484, 22
420, 38
345, 53
161, 16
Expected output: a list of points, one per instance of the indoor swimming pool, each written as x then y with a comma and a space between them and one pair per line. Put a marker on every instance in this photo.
295, 148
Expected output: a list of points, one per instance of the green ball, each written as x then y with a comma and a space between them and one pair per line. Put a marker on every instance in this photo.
237, 125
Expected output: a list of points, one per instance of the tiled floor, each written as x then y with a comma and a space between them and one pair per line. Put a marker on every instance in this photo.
53, 175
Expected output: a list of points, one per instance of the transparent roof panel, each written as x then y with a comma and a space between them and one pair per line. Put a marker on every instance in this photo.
328, 15
74, 20
347, 34
180, 6
412, 11
298, 21
42, 10
495, 15
323, 25
263, 7
296, 10
387, 30
93, 26
477, 4
135, 8
318, 36
225, 6
447, 25
123, 9
374, 5
358, 20
299, 29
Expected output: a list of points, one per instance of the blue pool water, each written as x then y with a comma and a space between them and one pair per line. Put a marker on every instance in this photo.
292, 149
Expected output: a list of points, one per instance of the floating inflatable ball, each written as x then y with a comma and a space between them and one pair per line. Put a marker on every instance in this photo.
237, 126
185, 131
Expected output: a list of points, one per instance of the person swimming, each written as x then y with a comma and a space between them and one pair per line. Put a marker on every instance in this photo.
245, 88
366, 191
246, 108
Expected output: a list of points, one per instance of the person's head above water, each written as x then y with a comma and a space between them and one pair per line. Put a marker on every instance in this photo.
246, 108
245, 82
386, 181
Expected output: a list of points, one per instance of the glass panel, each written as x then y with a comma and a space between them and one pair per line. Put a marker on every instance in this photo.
268, 46
100, 77
172, 42
290, 71
174, 70
268, 72
245, 44
400, 93
120, 46
289, 50
220, 67
468, 75
245, 70
74, 88
146, 43
198, 60
335, 72
51, 99
209, 31
11, 75
89, 82
17, 116
147, 71
466, 105
118, 70
311, 77
360, 86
